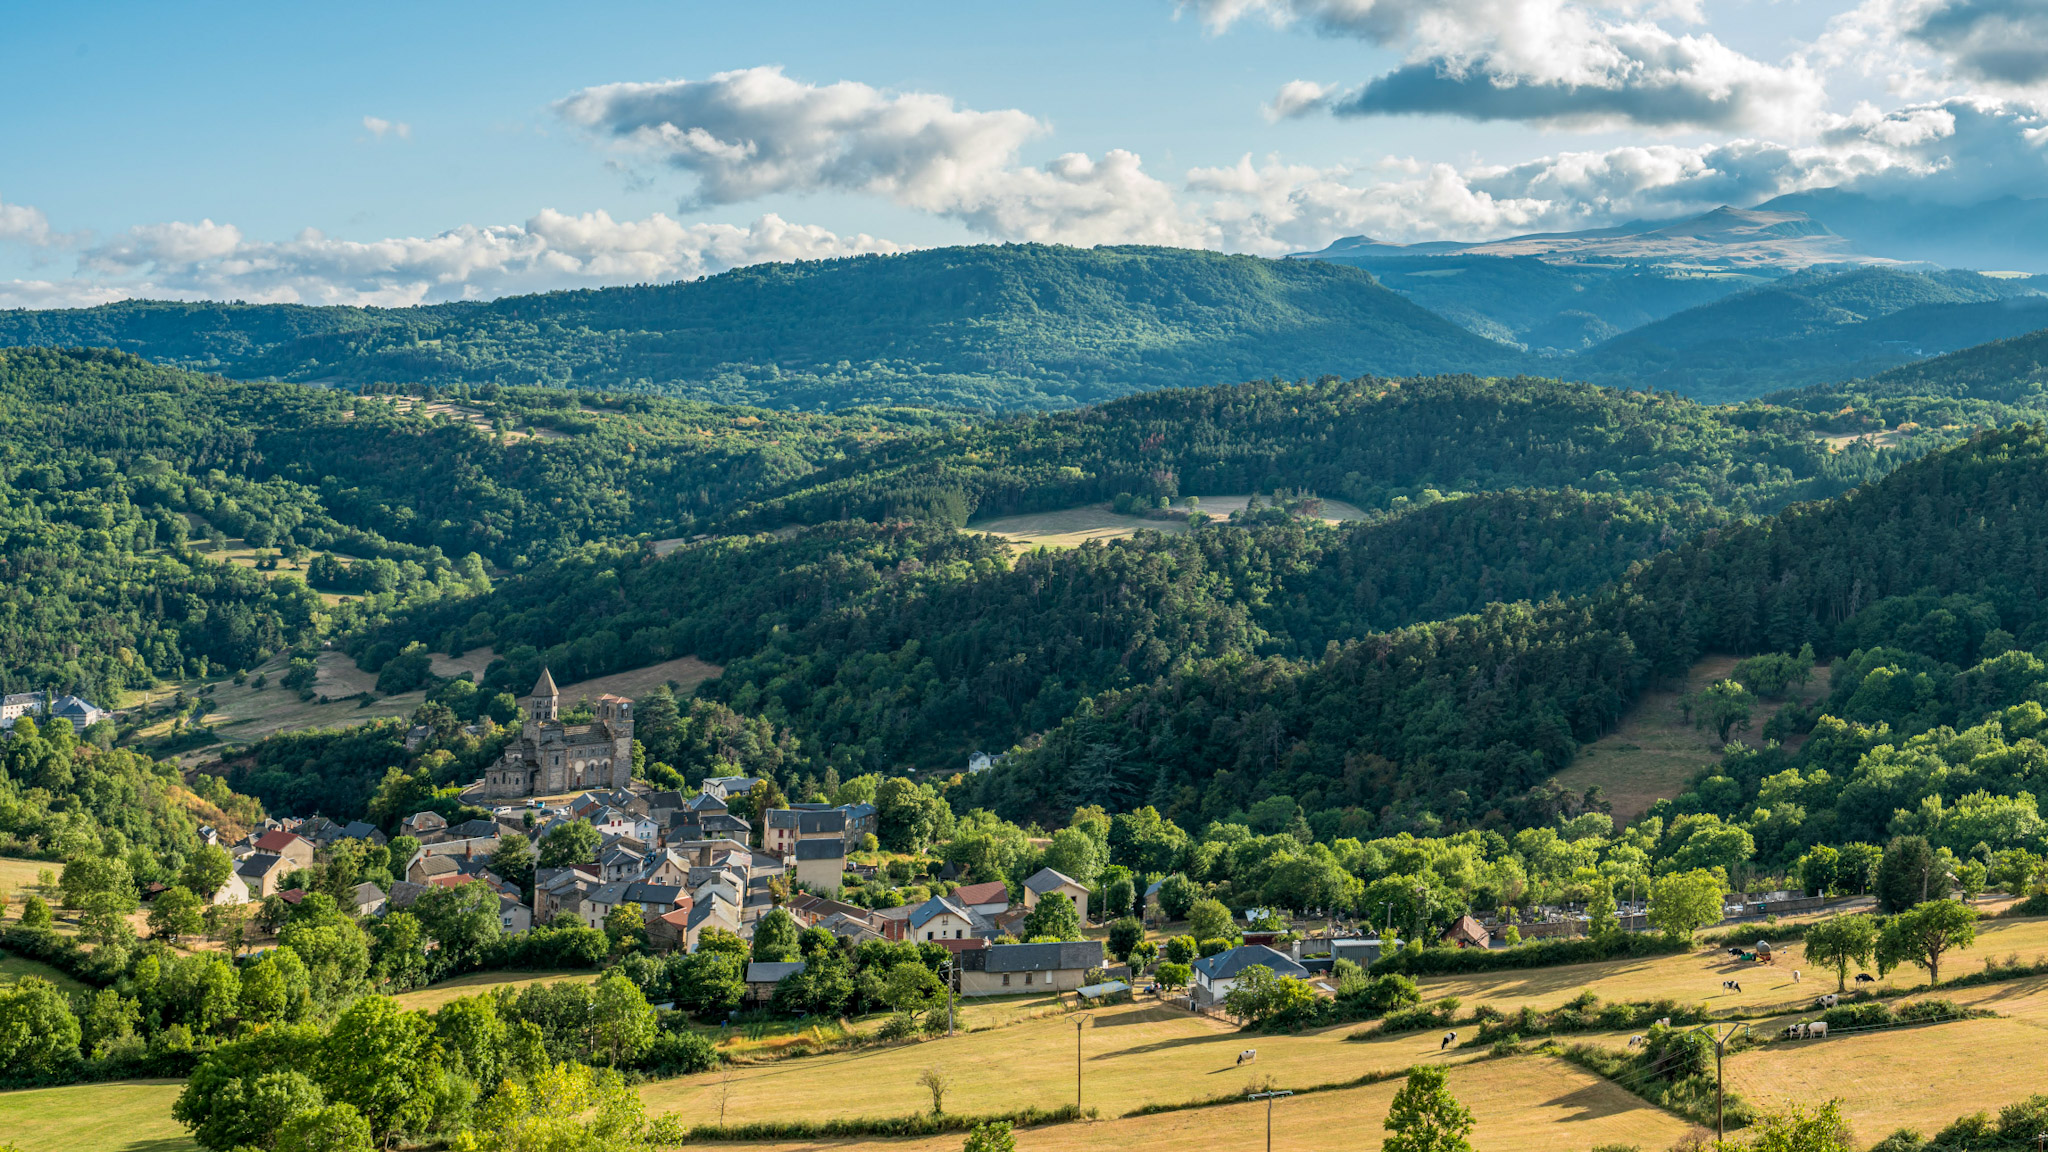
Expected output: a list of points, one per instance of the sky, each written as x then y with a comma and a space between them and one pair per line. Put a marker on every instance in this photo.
384, 154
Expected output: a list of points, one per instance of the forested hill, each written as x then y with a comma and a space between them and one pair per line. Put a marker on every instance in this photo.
1369, 441
1994, 383
1814, 327
994, 328
1460, 721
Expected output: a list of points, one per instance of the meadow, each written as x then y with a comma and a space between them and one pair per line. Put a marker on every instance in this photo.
125, 1116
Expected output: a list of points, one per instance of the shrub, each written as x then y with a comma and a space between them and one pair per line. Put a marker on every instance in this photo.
1536, 954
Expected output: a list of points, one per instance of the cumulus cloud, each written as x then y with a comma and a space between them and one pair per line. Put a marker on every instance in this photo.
1922, 47
21, 224
552, 250
1959, 150
379, 127
1550, 62
756, 132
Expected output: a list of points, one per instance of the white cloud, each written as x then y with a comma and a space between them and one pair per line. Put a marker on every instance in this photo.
379, 127
756, 132
1923, 47
551, 250
1550, 62
21, 224
1299, 98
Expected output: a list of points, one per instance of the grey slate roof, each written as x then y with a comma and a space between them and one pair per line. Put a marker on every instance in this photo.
937, 906
821, 849
1228, 965
259, 865
1046, 880
1073, 955
765, 972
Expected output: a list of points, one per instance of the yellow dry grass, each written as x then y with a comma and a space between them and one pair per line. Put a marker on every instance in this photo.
125, 1116
1526, 1104
1920, 1077
434, 996
1071, 527
686, 672
1695, 977
1132, 1055
1654, 750
17, 876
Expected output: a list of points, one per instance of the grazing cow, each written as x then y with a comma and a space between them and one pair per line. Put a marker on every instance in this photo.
1635, 1041
1664, 1023
1818, 1030
1795, 975
1865, 978
1448, 1037
1247, 1055
1827, 1001
1736, 984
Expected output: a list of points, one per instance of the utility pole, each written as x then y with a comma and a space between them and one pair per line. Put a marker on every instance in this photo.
1078, 1022
952, 974
1720, 1050
1268, 1097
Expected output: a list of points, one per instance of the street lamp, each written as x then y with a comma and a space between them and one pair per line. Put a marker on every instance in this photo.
1268, 1097
1079, 1021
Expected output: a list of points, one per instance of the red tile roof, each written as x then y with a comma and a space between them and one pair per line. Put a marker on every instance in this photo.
987, 893
277, 840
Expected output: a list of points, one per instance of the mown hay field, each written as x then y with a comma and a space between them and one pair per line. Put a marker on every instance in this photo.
125, 1116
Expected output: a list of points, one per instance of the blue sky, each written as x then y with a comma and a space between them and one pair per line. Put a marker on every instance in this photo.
451, 150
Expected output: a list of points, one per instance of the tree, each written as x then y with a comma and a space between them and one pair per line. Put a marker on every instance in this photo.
463, 920
276, 988
775, 937
245, 1090
1817, 869
1120, 896
35, 913
38, 1033
1425, 1117
709, 983
626, 927
383, 1060
1681, 903
994, 1136
1603, 919
1797, 1130
1171, 975
912, 989
176, 912
936, 1082
1259, 997
910, 815
1054, 918
621, 1021
206, 870
567, 844
1124, 936
1841, 941
1908, 873
1724, 705
330, 1128
1074, 853
1210, 920
1922, 935
514, 859
1177, 895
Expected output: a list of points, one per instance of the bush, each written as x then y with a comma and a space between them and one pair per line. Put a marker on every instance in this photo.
901, 1026
679, 1053
1441, 1014
1536, 954
1210, 948
918, 1124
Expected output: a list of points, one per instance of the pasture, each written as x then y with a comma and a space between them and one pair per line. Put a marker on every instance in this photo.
435, 995
1071, 527
1655, 750
125, 1116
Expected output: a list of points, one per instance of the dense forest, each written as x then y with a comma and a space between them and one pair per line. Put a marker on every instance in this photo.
989, 328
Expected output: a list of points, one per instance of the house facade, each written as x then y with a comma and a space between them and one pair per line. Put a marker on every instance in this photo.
1046, 881
1013, 969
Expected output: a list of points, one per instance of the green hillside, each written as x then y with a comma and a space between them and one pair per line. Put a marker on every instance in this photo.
994, 328
1815, 327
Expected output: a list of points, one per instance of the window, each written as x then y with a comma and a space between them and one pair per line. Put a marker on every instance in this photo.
927, 935
958, 933
1027, 978
1006, 979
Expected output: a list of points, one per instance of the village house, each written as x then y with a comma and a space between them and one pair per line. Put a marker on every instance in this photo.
782, 828
939, 918
821, 864
366, 899
727, 787
1045, 881
290, 845
1467, 933
263, 874
987, 900
234, 891
763, 976
1007, 969
1215, 974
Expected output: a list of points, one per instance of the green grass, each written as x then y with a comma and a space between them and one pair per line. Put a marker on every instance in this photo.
13, 968
126, 1116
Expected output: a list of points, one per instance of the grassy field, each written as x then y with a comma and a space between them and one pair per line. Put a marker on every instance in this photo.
1070, 527
13, 968
18, 876
1526, 1104
1921, 1077
1655, 750
432, 997
1133, 1055
126, 1116
1696, 976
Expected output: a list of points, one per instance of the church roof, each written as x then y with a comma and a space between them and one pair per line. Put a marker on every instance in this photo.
545, 686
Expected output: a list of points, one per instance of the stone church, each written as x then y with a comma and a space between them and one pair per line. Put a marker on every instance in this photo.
551, 757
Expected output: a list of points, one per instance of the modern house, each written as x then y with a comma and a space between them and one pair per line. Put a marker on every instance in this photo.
1008, 969
1215, 974
1045, 881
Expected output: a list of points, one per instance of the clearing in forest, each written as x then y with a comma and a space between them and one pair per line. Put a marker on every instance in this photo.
1655, 750
125, 1116
1071, 527
435, 995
